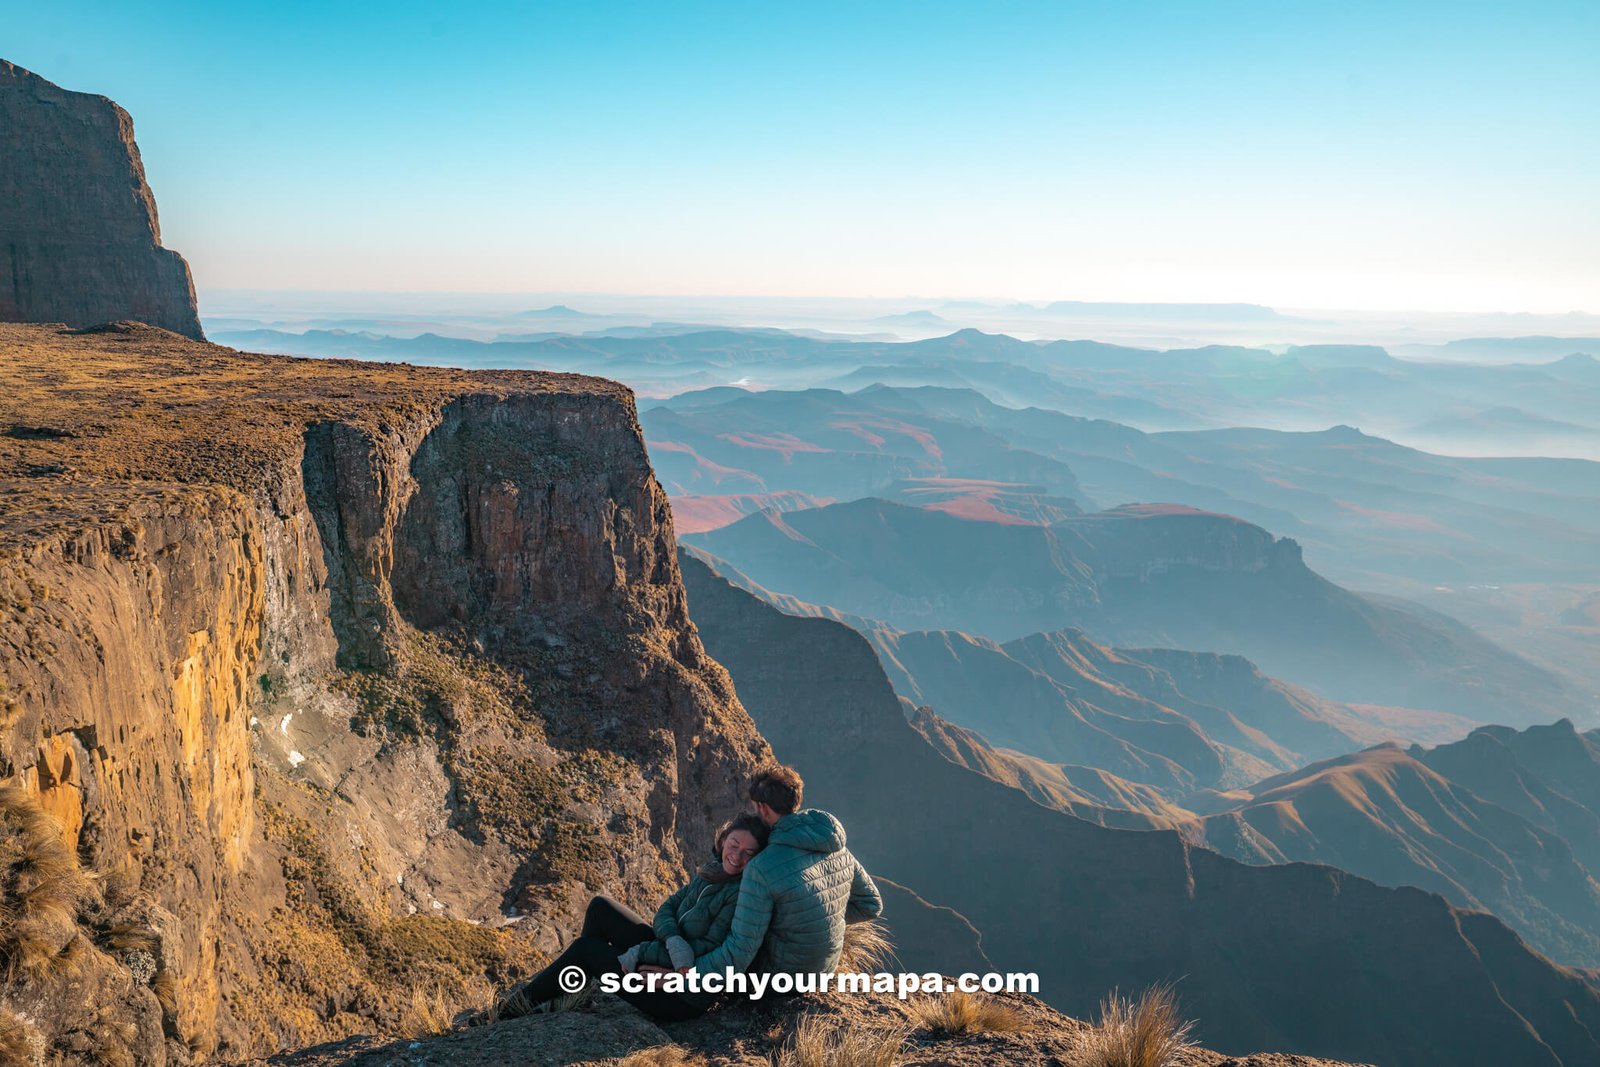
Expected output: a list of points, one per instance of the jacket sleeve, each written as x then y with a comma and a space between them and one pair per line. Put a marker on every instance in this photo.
865, 901
751, 917
666, 924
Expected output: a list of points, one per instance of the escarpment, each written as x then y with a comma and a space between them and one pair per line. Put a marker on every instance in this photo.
79, 238
347, 683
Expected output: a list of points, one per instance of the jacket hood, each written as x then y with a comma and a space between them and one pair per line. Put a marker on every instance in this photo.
811, 830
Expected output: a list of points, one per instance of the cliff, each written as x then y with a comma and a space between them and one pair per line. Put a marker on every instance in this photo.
79, 238
347, 683
1296, 957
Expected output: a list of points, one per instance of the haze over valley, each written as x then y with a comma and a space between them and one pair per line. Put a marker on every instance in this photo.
1125, 525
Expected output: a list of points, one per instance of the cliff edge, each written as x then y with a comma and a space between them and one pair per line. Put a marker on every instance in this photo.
80, 242
346, 684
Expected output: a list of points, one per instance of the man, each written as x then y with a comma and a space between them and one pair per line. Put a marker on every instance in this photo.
799, 892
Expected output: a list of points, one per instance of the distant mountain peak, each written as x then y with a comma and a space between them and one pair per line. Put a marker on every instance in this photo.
556, 311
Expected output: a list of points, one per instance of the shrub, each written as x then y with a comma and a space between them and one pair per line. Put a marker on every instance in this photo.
868, 948
819, 1043
964, 1013
426, 1015
1147, 1032
662, 1056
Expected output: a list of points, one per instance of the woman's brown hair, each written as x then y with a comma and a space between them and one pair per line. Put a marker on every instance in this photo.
749, 824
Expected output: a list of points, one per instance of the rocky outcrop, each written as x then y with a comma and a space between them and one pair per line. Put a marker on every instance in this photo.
370, 675
607, 1032
79, 239
1294, 957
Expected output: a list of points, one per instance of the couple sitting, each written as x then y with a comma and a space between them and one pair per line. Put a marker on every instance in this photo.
777, 895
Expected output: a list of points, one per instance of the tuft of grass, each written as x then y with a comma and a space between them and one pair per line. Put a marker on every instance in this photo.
955, 1013
428, 1013
819, 1043
128, 937
44, 889
1143, 1032
165, 986
663, 1056
868, 948
21, 1045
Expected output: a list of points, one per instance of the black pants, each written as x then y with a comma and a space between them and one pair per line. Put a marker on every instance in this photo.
609, 929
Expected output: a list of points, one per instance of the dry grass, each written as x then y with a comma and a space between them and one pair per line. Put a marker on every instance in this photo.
662, 1056
1147, 1032
128, 936
515, 1005
820, 1043
428, 1014
868, 948
44, 889
20, 1043
165, 986
966, 1013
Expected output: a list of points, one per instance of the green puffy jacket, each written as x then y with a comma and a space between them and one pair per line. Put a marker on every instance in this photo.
701, 913
795, 898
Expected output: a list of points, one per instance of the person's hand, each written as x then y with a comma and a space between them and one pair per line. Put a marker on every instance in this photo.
652, 975
629, 959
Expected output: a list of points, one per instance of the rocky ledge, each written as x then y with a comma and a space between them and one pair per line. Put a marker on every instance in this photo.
608, 1032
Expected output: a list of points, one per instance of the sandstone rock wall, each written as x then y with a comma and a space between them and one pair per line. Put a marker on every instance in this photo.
79, 238
376, 673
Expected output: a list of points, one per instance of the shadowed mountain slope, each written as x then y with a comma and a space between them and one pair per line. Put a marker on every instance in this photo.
1137, 576
1549, 775
1085, 792
1385, 815
1298, 957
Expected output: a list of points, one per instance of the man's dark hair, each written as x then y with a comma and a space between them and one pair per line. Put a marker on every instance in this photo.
778, 786
750, 824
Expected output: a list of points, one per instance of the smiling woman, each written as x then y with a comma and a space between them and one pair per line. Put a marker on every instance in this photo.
1294, 155
615, 940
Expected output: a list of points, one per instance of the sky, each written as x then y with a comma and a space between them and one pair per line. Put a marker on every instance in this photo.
1436, 156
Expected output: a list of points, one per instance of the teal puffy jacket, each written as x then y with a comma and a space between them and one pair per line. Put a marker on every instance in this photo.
795, 898
701, 913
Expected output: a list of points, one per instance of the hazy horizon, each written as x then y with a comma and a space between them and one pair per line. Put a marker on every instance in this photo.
1418, 156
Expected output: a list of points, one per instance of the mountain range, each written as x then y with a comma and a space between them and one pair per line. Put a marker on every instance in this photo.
1293, 956
1133, 577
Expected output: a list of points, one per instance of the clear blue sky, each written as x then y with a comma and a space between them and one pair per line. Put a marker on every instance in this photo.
1399, 154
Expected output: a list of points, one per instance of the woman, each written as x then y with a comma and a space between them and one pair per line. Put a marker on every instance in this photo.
692, 922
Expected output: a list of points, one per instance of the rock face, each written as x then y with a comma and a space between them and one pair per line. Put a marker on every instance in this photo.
367, 676
79, 238
1295, 957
